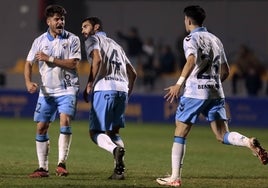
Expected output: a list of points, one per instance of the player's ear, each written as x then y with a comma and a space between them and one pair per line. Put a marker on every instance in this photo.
48, 21
96, 27
189, 21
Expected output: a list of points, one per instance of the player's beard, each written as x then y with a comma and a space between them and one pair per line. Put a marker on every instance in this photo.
86, 35
59, 29
92, 32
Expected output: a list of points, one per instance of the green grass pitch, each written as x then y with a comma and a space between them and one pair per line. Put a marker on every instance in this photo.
208, 164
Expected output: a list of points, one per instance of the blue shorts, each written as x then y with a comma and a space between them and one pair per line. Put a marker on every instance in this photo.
47, 107
107, 112
189, 109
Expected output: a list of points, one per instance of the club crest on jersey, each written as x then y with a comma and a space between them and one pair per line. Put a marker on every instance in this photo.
64, 45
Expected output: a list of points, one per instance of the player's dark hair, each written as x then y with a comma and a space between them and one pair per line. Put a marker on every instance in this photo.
94, 21
196, 13
54, 9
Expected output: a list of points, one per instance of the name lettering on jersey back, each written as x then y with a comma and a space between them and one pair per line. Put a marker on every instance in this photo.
208, 86
113, 78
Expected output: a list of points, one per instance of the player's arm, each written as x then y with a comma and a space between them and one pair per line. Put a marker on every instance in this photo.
174, 91
132, 76
31, 86
64, 63
188, 67
225, 71
96, 60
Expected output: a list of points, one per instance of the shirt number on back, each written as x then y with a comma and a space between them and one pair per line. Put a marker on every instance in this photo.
114, 60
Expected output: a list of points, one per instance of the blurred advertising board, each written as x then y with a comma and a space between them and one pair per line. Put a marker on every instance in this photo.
143, 108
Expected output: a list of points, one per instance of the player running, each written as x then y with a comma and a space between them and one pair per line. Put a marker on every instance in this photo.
205, 69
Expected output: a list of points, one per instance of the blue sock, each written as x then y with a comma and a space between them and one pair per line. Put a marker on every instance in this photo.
225, 138
41, 137
66, 130
179, 140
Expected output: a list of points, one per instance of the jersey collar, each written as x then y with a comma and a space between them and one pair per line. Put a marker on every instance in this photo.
62, 36
199, 29
101, 33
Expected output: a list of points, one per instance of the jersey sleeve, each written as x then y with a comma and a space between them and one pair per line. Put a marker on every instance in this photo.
127, 61
223, 58
34, 49
90, 44
190, 46
75, 49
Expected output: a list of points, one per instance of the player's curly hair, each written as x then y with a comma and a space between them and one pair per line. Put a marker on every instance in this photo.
55, 9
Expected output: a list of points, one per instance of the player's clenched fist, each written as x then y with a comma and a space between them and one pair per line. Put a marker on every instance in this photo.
31, 87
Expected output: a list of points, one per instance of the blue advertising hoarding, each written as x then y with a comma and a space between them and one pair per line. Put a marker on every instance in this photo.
142, 108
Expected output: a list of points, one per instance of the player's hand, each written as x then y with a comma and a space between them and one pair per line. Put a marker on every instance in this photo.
41, 56
31, 87
87, 91
172, 93
85, 96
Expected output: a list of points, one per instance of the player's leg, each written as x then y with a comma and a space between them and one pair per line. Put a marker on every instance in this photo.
100, 121
177, 155
220, 129
118, 113
101, 116
218, 122
44, 114
179, 147
67, 109
116, 137
219, 126
119, 152
64, 144
42, 150
118, 121
216, 115
187, 111
102, 140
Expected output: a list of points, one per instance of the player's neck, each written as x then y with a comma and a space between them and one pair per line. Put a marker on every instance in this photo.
54, 34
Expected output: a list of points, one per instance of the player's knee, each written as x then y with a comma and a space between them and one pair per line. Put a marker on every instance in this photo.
42, 128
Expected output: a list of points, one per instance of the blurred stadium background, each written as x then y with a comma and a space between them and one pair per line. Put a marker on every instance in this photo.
235, 22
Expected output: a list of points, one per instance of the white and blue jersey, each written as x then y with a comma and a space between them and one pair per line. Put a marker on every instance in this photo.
110, 93
204, 81
57, 81
203, 92
112, 74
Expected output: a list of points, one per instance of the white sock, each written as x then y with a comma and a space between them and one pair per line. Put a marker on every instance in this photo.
177, 155
42, 149
64, 144
236, 139
105, 142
